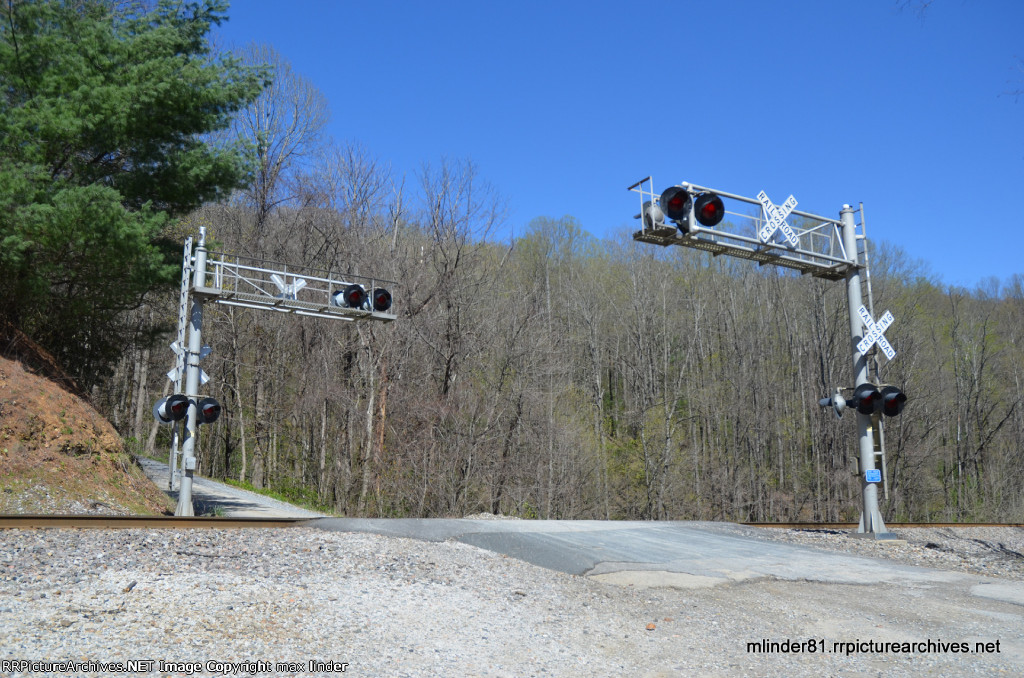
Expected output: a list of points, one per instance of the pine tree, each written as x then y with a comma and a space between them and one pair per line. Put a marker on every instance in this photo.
105, 115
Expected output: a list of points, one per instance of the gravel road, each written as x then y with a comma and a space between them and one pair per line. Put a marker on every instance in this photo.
387, 606
211, 496
274, 601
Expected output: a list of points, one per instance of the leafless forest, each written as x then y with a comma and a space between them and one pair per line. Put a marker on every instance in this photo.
561, 376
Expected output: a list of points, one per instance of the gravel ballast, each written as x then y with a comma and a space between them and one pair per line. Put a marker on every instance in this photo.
368, 605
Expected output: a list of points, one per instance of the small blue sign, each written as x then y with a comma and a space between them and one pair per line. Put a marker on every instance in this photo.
873, 476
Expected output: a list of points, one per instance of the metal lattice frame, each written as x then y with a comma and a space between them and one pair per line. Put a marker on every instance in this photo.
821, 251
238, 281
250, 283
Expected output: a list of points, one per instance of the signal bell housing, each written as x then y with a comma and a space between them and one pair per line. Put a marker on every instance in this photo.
837, 402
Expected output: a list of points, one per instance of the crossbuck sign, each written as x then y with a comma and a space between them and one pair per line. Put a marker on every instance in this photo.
776, 219
874, 333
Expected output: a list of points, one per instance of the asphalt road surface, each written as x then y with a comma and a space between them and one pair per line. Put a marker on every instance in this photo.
630, 553
671, 553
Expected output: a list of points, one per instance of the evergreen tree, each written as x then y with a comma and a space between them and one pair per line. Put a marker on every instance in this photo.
105, 112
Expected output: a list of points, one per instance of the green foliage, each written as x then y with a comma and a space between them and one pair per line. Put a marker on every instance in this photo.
103, 122
288, 492
528, 511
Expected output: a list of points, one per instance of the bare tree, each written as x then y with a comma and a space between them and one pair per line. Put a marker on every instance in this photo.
283, 126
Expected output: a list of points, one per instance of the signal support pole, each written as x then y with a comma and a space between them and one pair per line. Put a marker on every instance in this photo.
195, 345
237, 281
871, 523
820, 246
179, 350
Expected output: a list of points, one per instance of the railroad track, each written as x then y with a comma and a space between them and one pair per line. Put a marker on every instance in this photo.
179, 522
853, 526
122, 522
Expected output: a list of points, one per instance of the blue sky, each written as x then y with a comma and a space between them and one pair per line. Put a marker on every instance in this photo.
563, 104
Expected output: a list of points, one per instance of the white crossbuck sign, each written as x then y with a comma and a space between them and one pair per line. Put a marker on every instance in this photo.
288, 290
176, 374
775, 216
874, 333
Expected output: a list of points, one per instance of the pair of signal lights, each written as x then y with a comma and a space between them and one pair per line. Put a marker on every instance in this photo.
355, 296
678, 205
869, 399
174, 408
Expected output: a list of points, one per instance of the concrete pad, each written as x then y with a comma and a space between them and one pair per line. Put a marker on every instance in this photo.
1009, 592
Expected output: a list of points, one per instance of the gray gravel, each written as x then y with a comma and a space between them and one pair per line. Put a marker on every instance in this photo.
398, 607
211, 497
986, 551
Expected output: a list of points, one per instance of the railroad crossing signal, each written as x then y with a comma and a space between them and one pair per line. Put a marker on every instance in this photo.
686, 211
824, 247
893, 401
174, 408
381, 300
675, 202
866, 399
776, 219
869, 399
874, 333
236, 281
353, 296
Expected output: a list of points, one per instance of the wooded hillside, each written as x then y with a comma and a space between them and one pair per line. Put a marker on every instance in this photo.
552, 375
560, 376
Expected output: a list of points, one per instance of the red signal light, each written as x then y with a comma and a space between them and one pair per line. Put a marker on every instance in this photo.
209, 410
355, 296
171, 408
177, 408
709, 209
893, 401
675, 203
381, 300
867, 399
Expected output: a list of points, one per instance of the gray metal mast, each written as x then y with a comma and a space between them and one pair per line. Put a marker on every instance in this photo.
871, 523
179, 349
195, 344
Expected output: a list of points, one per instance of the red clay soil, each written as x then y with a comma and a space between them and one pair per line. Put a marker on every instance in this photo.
58, 455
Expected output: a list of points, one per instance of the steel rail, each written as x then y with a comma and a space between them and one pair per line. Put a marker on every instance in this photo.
32, 522
214, 522
853, 526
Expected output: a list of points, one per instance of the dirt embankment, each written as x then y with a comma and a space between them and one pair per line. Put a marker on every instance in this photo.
58, 455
